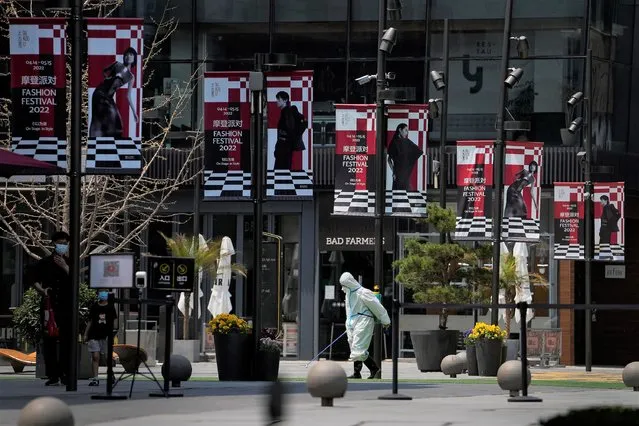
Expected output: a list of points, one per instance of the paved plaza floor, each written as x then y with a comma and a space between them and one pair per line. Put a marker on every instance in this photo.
437, 399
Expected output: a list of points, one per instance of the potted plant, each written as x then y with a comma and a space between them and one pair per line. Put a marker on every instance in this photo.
514, 282
206, 254
444, 273
471, 353
489, 340
268, 356
232, 338
27, 321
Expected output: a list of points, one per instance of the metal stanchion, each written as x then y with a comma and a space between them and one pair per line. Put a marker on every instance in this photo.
523, 307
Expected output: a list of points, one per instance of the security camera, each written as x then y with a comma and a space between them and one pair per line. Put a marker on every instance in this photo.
140, 279
390, 75
514, 75
365, 79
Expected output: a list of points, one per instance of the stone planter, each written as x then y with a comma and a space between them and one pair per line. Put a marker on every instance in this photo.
233, 356
512, 350
432, 346
471, 356
489, 354
190, 349
268, 366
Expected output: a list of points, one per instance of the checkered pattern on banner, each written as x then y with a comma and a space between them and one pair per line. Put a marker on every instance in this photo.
614, 252
569, 251
107, 154
480, 228
49, 36
108, 38
299, 86
399, 203
518, 229
50, 150
232, 183
226, 87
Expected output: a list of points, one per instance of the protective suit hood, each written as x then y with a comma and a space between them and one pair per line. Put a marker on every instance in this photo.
348, 281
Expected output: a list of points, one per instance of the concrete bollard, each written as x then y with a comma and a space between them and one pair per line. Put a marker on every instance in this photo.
509, 377
452, 365
46, 411
326, 380
181, 370
630, 376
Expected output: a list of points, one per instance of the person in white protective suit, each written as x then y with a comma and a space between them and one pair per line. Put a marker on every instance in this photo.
362, 309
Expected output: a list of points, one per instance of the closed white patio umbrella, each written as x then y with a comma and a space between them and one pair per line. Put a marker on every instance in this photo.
220, 301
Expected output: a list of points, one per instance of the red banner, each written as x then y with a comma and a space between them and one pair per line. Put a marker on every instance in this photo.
290, 134
227, 123
115, 52
474, 193
406, 165
568, 216
38, 89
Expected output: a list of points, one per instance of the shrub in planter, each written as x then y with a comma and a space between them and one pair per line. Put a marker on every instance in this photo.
268, 356
489, 341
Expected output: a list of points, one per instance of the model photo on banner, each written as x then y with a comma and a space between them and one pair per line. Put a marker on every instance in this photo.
515, 205
38, 90
114, 62
406, 161
609, 236
289, 159
227, 124
568, 217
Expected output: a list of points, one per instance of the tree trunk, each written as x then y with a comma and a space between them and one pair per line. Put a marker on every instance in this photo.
509, 316
185, 323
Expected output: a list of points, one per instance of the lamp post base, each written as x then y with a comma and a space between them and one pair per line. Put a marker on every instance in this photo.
395, 396
524, 399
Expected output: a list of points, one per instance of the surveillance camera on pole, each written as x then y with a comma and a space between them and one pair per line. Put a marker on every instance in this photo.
513, 78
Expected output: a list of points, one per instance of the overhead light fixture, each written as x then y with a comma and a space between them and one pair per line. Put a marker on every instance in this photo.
575, 125
575, 99
388, 40
394, 10
514, 75
433, 107
522, 46
438, 79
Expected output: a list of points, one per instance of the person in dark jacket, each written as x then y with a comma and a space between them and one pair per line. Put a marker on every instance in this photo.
402, 157
609, 219
52, 280
290, 128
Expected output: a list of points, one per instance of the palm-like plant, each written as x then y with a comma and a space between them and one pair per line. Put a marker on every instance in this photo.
206, 256
512, 281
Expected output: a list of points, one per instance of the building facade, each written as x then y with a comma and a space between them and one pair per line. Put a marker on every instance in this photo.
337, 39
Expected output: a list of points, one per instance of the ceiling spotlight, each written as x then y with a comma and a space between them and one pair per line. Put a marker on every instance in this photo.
394, 10
433, 107
575, 125
514, 75
575, 99
365, 79
438, 79
388, 40
522, 46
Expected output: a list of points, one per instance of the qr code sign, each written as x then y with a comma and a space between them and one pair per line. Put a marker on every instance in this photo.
112, 268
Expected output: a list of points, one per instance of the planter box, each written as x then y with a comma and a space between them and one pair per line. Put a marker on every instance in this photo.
489, 355
471, 356
190, 349
268, 366
432, 346
233, 356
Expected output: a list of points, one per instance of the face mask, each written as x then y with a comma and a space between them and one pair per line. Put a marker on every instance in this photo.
103, 296
61, 248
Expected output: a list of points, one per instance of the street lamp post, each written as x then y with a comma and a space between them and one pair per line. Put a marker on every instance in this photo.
499, 163
75, 186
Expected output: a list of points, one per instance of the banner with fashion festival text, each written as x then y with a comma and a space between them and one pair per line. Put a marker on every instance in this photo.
406, 165
568, 216
609, 218
227, 123
289, 96
522, 191
474, 190
114, 61
38, 89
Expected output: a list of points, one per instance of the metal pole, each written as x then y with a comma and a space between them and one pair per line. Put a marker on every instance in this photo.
523, 307
380, 181
443, 133
427, 19
195, 327
257, 141
588, 216
498, 165
75, 210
